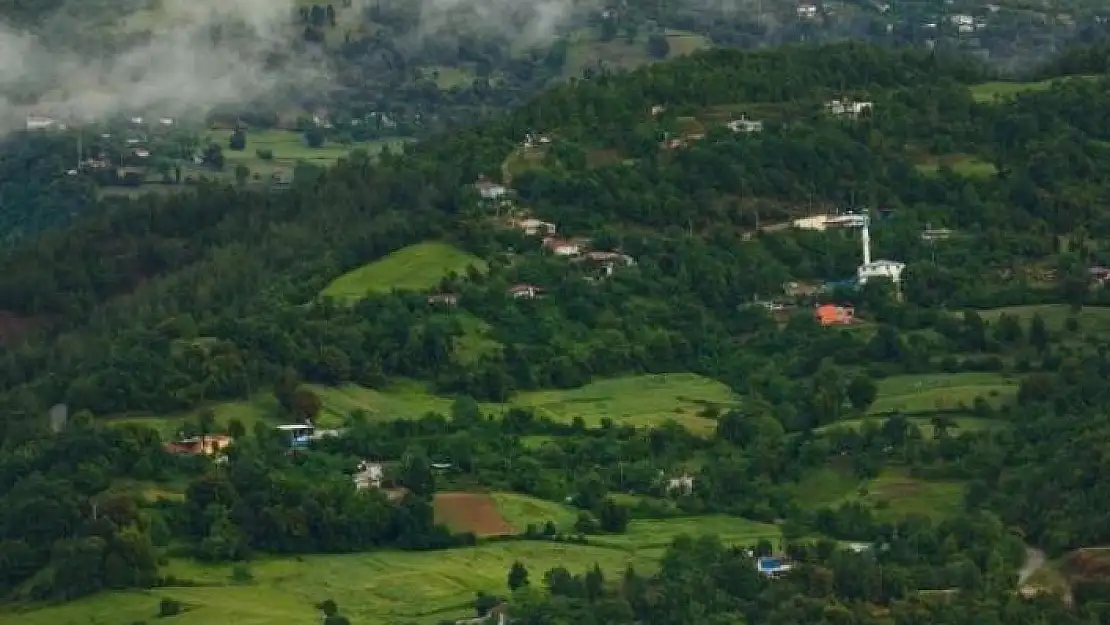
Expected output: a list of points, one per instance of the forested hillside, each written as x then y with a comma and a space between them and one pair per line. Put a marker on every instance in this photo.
661, 364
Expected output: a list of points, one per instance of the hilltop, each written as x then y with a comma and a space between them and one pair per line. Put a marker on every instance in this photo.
620, 314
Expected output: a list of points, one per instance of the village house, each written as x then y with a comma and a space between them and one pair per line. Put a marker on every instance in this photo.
490, 190
209, 445
39, 122
532, 226
833, 315
608, 261
562, 247
682, 485
444, 299
527, 291
368, 475
847, 108
657, 109
801, 289
745, 125
807, 11
773, 566
1099, 275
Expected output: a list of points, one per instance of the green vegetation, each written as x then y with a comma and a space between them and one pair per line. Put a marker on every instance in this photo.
1091, 318
930, 393
640, 401
374, 589
991, 91
520, 511
649, 537
416, 267
287, 148
963, 165
892, 495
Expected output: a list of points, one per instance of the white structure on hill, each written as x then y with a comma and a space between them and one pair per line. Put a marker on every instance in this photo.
889, 269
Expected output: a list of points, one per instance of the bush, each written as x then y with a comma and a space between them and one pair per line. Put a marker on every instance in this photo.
265, 155
169, 607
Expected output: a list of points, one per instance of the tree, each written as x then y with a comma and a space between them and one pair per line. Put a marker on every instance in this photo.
658, 46
305, 404
242, 174
238, 140
518, 576
862, 392
416, 473
314, 137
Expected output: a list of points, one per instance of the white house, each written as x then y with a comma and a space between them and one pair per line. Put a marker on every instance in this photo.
137, 120
166, 121
745, 125
561, 247
807, 11
368, 475
889, 269
490, 190
37, 122
533, 226
847, 107
526, 291
683, 485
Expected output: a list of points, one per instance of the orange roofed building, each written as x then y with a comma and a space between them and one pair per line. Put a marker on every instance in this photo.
833, 315
207, 445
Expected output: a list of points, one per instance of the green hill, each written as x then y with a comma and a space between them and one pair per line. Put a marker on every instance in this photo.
416, 267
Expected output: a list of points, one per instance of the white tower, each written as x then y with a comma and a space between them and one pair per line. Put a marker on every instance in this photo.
865, 239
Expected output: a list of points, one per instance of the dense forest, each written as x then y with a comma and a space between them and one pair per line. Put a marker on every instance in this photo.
177, 303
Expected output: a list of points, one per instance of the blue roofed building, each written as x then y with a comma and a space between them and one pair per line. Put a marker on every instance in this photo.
772, 566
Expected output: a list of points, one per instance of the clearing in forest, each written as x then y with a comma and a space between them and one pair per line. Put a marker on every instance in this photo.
894, 494
471, 512
377, 588
941, 392
415, 268
520, 511
988, 91
639, 401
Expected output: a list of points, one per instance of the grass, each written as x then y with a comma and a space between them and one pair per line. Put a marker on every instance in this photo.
930, 393
416, 267
960, 164
989, 91
520, 511
1055, 316
641, 401
382, 588
262, 407
962, 424
447, 78
586, 50
650, 537
288, 148
400, 400
894, 494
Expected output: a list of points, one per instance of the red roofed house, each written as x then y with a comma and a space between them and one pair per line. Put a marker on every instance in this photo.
200, 445
831, 315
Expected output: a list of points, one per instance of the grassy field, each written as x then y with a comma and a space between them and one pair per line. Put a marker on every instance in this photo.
471, 512
262, 407
929, 393
640, 401
288, 148
586, 50
1091, 318
521, 510
989, 91
650, 537
893, 494
962, 424
416, 267
960, 164
448, 77
647, 400
383, 588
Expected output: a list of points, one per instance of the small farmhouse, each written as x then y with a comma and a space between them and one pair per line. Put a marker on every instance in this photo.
772, 566
444, 299
490, 190
745, 125
562, 247
847, 108
527, 291
833, 315
533, 226
368, 475
209, 445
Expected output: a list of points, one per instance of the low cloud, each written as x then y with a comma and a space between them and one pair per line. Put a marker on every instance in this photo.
186, 57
